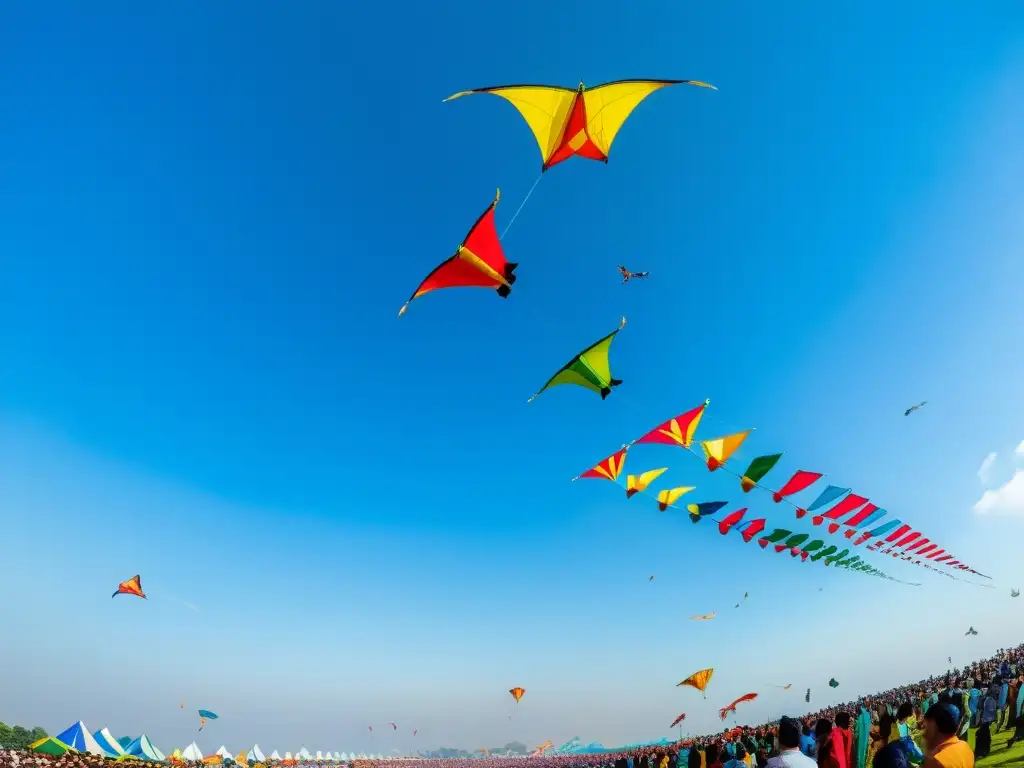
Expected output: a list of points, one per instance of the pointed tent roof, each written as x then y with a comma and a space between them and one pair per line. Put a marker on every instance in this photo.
143, 747
192, 752
223, 752
303, 754
255, 754
107, 742
78, 738
288, 756
344, 756
50, 746
274, 755
337, 756
319, 755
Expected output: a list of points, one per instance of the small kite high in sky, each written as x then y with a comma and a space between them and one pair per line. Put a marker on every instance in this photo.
581, 121
705, 617
650, 579
833, 683
913, 408
589, 369
627, 275
479, 262
807, 696
517, 693
1014, 592
698, 680
741, 602
393, 726
970, 631
132, 586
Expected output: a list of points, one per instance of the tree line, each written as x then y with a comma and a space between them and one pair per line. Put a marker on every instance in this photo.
18, 737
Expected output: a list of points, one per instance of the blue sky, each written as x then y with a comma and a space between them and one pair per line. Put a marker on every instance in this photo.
212, 214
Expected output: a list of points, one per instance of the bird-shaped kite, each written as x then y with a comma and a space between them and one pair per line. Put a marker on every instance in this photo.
913, 408
1014, 592
678, 720
970, 631
627, 275
650, 579
478, 262
741, 602
705, 617
698, 680
724, 711
577, 121
132, 586
589, 369
393, 726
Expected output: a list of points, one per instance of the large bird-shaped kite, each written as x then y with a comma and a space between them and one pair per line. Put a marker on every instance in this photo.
581, 121
627, 275
479, 262
698, 680
132, 586
913, 408
589, 369
724, 711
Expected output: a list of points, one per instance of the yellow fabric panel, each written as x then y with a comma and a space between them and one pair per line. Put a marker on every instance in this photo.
471, 258
721, 448
565, 376
596, 359
640, 482
545, 108
672, 495
608, 106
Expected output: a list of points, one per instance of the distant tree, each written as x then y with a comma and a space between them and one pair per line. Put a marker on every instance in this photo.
36, 734
18, 737
5, 735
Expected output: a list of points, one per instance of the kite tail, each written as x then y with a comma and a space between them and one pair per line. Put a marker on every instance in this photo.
520, 208
115, 595
405, 307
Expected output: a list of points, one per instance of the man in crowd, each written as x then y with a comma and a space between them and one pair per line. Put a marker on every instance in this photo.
790, 756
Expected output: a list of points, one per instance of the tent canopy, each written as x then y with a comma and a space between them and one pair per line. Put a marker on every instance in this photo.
192, 753
108, 743
50, 746
143, 748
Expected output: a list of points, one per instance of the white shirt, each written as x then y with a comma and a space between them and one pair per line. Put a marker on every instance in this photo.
792, 758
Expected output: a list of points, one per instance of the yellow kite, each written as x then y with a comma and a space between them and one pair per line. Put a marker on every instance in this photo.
669, 497
699, 680
638, 483
581, 121
719, 449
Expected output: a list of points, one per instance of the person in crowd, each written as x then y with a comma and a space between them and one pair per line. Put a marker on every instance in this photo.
842, 737
983, 738
739, 760
827, 755
891, 755
807, 743
790, 756
942, 747
1004, 694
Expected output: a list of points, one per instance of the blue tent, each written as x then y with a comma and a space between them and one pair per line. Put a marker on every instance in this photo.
108, 743
78, 737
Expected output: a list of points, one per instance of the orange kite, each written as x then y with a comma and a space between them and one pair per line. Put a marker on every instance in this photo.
132, 586
581, 121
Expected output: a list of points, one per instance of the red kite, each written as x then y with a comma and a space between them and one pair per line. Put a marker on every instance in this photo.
479, 262
724, 712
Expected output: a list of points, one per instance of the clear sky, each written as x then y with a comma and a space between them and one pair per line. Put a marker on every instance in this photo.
211, 215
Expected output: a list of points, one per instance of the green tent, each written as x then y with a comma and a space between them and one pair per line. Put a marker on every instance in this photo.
50, 746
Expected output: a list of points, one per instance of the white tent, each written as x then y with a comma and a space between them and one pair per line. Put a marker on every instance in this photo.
362, 755
287, 755
303, 754
223, 753
344, 756
106, 741
192, 753
143, 747
337, 756
274, 755
255, 754
319, 755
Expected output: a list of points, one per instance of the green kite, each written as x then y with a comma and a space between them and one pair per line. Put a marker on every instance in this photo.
589, 369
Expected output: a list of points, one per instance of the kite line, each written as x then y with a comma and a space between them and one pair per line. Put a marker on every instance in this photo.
520, 208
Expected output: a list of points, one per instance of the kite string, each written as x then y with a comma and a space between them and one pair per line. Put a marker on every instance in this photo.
520, 208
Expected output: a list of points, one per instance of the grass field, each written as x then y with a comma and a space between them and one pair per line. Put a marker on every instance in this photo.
1000, 756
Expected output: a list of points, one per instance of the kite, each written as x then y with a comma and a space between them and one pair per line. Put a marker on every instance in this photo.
833, 683
705, 617
758, 468
393, 726
800, 480
369, 728
479, 262
970, 631
705, 508
807, 697
669, 497
582, 121
719, 449
204, 715
741, 602
678, 720
783, 687
650, 579
182, 705
1014, 592
606, 469
132, 586
698, 680
949, 659
415, 731
638, 483
913, 408
678, 431
589, 369
517, 693
627, 275
724, 712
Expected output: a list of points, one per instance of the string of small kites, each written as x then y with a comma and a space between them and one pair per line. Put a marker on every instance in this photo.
863, 519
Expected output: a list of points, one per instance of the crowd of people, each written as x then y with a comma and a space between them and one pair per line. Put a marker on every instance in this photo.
924, 724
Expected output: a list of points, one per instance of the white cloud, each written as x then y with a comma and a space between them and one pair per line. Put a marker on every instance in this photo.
1005, 500
1020, 449
986, 465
